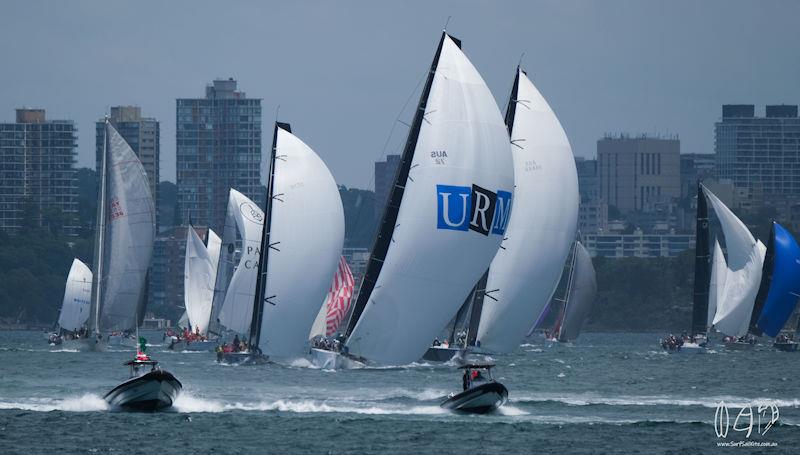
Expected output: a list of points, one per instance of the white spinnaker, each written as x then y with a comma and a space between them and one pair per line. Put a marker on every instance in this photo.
716, 287
237, 307
525, 272
130, 231
199, 274
77, 297
307, 229
428, 272
745, 260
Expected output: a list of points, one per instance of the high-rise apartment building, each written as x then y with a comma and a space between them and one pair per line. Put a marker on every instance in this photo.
384, 178
638, 174
37, 173
143, 136
760, 154
218, 147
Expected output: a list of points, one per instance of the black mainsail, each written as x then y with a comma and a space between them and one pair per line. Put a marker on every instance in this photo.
702, 266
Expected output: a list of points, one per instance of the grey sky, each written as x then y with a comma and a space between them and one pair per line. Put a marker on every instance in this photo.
342, 70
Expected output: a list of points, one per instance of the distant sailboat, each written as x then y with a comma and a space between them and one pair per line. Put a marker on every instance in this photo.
76, 304
524, 274
446, 215
123, 241
581, 293
337, 302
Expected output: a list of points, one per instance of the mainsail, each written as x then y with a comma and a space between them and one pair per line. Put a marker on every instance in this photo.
124, 238
200, 271
301, 245
77, 297
780, 283
745, 259
580, 295
445, 218
701, 314
525, 272
236, 297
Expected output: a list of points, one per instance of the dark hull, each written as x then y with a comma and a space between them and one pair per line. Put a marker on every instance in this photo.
241, 358
478, 400
788, 347
150, 392
436, 354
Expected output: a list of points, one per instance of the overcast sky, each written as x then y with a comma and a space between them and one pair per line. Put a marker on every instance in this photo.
341, 71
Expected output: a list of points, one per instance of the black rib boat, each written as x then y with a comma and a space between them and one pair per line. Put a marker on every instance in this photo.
482, 394
151, 391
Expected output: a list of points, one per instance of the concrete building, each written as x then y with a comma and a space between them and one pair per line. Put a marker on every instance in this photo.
37, 173
384, 178
638, 173
696, 167
637, 244
143, 135
760, 154
218, 147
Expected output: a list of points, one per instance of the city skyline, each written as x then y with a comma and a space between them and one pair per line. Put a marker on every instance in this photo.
346, 108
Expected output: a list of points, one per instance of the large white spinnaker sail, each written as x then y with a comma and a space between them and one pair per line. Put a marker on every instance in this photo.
716, 287
525, 273
77, 297
246, 218
127, 237
446, 215
306, 234
200, 272
743, 277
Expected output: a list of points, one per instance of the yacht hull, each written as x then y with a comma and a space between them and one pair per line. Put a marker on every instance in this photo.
194, 346
440, 354
332, 360
241, 358
787, 347
150, 392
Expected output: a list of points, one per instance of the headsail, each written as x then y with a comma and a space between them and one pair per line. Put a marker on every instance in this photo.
127, 237
77, 297
581, 295
446, 215
302, 246
716, 288
780, 282
246, 218
200, 271
542, 225
745, 259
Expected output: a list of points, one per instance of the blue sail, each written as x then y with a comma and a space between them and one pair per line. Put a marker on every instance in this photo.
784, 286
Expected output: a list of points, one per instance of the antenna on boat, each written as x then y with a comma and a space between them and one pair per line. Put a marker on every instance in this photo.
521, 56
447, 23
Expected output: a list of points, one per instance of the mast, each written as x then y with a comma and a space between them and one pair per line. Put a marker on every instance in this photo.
99, 238
261, 275
383, 237
702, 266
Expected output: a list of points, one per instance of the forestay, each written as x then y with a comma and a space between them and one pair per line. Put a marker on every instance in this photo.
77, 297
306, 238
452, 216
525, 272
245, 218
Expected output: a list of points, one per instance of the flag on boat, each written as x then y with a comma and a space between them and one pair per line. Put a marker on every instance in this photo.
339, 296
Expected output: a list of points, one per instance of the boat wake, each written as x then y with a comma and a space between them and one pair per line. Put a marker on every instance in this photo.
657, 400
86, 403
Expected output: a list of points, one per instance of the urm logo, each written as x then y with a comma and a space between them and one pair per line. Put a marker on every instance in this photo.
461, 208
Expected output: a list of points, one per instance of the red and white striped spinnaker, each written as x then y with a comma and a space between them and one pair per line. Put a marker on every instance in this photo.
339, 296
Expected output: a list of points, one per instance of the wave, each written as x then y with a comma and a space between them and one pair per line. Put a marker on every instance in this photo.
651, 400
86, 403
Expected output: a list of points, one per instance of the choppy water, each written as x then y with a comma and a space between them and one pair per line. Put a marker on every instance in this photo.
604, 393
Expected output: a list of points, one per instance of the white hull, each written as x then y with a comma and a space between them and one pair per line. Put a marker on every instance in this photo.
331, 360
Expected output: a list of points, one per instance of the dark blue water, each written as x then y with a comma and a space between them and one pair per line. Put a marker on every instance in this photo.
605, 393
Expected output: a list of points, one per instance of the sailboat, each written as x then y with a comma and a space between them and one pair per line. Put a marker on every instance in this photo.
525, 272
200, 271
581, 292
300, 247
123, 246
75, 306
336, 305
446, 215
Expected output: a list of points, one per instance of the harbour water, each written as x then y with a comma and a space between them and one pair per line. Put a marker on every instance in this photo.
604, 393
